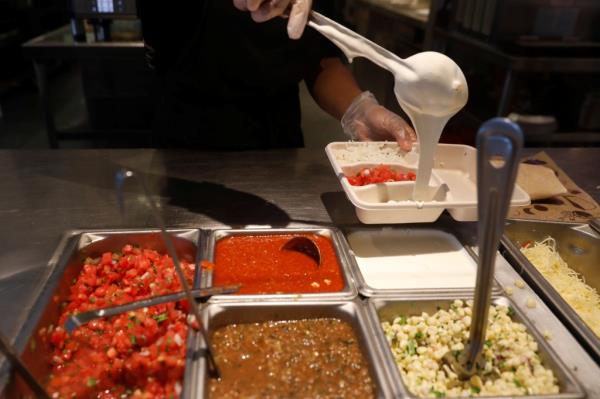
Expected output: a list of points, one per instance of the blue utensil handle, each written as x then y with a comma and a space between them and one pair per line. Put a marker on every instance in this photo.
499, 143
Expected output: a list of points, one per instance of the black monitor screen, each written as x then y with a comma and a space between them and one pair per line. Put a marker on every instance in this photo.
106, 8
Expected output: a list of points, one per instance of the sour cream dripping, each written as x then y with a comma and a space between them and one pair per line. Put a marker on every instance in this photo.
429, 87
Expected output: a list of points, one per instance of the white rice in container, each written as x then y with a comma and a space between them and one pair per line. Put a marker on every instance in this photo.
369, 152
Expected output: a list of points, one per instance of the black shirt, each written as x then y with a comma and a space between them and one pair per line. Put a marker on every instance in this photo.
229, 82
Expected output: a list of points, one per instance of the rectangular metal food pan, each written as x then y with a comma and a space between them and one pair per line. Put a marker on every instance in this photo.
348, 292
352, 312
464, 235
579, 246
66, 265
386, 309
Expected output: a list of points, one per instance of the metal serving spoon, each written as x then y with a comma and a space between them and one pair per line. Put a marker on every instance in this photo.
22, 369
120, 178
82, 318
304, 245
499, 142
595, 224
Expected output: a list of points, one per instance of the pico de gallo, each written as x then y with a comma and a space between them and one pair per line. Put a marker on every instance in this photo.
139, 354
379, 174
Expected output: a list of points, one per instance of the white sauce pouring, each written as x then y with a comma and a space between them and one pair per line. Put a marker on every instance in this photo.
429, 87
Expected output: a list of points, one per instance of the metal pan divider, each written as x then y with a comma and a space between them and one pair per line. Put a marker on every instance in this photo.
47, 286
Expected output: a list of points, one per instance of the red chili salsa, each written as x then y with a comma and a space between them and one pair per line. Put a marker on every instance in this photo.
258, 263
140, 354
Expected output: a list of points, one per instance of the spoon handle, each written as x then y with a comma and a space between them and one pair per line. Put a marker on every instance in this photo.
347, 40
499, 142
82, 318
14, 358
120, 179
595, 224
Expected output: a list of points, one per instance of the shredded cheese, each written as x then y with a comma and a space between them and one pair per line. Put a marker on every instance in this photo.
569, 284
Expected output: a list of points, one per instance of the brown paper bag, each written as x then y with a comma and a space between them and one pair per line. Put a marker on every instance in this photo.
539, 181
574, 205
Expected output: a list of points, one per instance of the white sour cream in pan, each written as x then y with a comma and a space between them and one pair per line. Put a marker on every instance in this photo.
412, 258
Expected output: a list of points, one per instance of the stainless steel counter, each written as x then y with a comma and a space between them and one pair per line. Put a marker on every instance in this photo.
45, 193
48, 192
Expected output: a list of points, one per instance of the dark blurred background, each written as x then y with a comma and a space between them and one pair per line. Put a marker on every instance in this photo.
73, 73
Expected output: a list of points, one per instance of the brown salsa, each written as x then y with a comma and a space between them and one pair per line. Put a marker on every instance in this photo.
298, 358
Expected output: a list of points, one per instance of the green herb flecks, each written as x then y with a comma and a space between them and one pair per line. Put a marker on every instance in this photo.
411, 348
518, 383
160, 317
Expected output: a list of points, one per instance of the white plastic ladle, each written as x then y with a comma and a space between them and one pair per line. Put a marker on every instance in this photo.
429, 87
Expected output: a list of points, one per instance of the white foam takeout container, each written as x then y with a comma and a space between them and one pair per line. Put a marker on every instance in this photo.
453, 184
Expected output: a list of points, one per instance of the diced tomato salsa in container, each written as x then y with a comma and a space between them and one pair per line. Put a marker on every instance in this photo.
380, 174
261, 267
139, 354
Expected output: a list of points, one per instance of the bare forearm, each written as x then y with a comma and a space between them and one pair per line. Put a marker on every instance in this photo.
334, 88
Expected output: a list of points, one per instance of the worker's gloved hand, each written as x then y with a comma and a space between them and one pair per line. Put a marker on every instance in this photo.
264, 10
366, 120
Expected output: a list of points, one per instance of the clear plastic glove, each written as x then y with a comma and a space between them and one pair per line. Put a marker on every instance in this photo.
264, 10
366, 120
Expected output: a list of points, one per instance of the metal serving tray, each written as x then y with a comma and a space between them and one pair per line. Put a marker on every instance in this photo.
579, 246
221, 314
385, 309
348, 292
462, 236
66, 264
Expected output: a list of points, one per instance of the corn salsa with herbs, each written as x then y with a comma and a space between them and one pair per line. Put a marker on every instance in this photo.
513, 366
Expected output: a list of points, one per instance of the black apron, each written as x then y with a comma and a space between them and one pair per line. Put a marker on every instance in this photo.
228, 82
